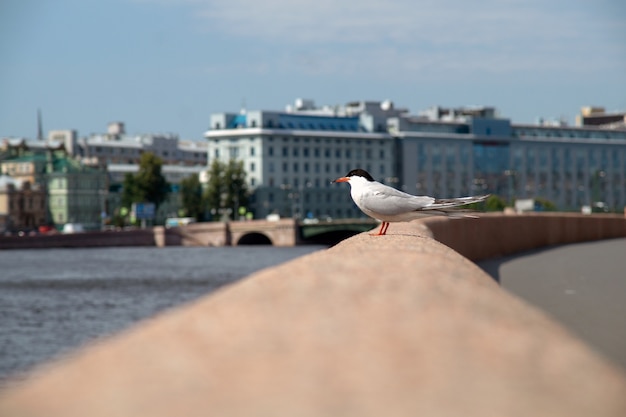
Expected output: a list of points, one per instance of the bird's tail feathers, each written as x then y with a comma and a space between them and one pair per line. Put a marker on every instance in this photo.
441, 203
453, 213
449, 207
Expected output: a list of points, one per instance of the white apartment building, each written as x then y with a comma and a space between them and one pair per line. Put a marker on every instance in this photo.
291, 157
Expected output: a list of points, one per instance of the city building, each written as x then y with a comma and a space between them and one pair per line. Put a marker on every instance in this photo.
473, 154
85, 159
74, 193
597, 116
291, 156
26, 160
23, 206
118, 147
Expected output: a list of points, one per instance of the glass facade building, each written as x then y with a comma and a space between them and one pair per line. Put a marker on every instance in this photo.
571, 167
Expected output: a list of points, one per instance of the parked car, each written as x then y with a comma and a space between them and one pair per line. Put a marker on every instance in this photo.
73, 228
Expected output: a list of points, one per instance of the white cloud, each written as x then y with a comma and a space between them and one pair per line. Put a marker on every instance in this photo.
365, 21
329, 36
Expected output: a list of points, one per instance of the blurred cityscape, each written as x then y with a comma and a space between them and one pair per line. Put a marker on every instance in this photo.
290, 157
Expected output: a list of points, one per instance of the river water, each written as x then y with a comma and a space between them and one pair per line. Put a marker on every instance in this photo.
54, 300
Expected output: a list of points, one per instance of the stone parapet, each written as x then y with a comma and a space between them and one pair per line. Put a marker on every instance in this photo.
495, 235
199, 234
396, 325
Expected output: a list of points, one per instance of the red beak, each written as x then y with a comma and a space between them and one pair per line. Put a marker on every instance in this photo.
342, 179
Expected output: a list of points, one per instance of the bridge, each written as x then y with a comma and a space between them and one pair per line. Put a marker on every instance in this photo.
283, 232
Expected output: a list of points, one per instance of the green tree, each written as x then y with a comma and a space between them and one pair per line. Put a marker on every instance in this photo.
495, 203
192, 199
545, 204
148, 185
150, 182
227, 190
492, 203
215, 189
236, 187
129, 190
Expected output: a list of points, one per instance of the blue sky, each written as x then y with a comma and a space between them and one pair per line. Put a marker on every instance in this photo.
166, 65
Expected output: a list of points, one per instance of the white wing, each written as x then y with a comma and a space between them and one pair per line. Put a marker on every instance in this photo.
387, 201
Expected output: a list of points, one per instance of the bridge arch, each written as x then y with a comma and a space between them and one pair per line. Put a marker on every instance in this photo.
277, 233
254, 238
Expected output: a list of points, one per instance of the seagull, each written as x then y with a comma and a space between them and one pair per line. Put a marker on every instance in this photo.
388, 205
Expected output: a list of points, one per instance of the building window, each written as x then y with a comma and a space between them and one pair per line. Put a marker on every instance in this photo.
252, 150
285, 151
270, 151
252, 166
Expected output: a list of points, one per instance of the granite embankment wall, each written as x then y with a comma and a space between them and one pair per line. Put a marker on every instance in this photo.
392, 325
489, 236
154, 236
143, 237
496, 235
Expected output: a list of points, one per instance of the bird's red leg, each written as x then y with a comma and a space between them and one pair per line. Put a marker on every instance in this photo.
382, 230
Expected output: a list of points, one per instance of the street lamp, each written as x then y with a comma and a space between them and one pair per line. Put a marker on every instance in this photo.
287, 197
510, 176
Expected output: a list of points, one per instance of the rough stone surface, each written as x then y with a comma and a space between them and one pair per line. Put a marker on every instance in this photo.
375, 326
494, 235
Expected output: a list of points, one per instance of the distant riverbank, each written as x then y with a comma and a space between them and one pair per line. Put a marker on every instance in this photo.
135, 237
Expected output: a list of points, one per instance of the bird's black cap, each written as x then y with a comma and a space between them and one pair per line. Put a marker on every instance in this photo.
360, 173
